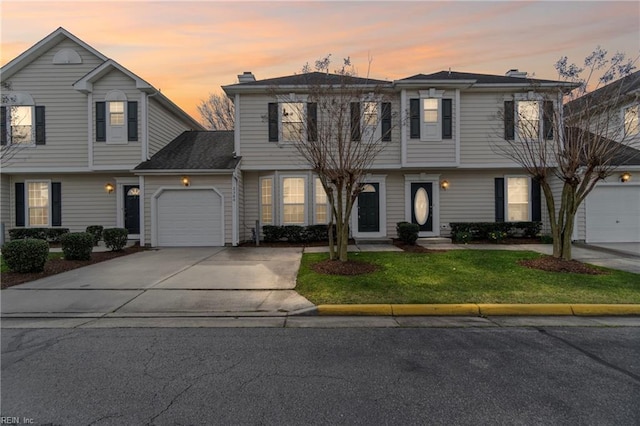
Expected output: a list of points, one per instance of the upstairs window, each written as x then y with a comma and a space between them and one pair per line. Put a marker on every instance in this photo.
631, 121
116, 113
431, 116
116, 119
22, 125
370, 121
529, 120
292, 121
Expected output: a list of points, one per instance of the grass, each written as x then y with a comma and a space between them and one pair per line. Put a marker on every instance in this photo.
461, 276
5, 268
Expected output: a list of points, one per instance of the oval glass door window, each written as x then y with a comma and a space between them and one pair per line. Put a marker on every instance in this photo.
421, 206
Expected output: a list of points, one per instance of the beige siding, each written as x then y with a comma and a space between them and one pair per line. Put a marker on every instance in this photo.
241, 214
121, 154
481, 128
66, 109
251, 202
163, 126
84, 200
423, 153
222, 183
5, 203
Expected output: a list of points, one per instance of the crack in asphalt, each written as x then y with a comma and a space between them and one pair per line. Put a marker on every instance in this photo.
18, 344
592, 356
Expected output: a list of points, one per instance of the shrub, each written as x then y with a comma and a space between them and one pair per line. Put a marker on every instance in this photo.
48, 234
77, 245
317, 233
96, 231
497, 236
462, 237
272, 233
488, 230
546, 239
294, 233
407, 232
115, 238
26, 255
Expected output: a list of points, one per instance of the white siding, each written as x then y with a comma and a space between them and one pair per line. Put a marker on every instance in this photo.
222, 183
242, 233
66, 109
163, 126
84, 200
125, 154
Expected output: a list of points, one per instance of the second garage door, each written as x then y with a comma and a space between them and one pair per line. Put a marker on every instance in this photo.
613, 214
189, 217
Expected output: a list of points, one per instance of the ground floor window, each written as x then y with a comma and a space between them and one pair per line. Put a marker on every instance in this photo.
293, 201
266, 201
518, 199
38, 203
321, 210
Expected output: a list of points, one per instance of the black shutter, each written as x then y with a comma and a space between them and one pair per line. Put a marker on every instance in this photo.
132, 121
547, 120
509, 120
499, 199
19, 204
3, 126
56, 204
40, 126
273, 122
386, 121
101, 121
312, 121
355, 121
447, 119
414, 118
536, 201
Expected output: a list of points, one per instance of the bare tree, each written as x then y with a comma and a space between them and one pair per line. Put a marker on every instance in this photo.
578, 145
343, 129
18, 127
217, 112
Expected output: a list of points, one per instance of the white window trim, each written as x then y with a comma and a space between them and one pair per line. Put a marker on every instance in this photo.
434, 180
33, 125
116, 96
530, 97
281, 179
636, 131
381, 180
273, 196
431, 94
290, 99
26, 203
506, 197
314, 205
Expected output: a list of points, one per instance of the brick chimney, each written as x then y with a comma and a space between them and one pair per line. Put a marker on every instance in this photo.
246, 77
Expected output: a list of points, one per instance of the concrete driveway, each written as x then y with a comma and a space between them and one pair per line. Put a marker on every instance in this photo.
211, 281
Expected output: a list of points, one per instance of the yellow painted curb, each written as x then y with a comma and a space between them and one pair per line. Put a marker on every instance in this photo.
488, 309
354, 309
467, 309
602, 309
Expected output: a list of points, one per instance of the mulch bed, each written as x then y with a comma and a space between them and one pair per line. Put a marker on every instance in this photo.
552, 264
55, 266
416, 248
350, 267
288, 244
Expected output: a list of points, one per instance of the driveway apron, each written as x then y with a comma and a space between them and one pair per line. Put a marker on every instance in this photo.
203, 281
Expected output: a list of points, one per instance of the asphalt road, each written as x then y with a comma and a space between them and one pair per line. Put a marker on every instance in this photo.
220, 376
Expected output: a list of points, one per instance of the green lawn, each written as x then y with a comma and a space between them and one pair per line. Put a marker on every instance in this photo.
461, 276
5, 268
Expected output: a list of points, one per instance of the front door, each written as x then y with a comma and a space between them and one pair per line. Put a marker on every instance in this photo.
369, 208
132, 208
422, 206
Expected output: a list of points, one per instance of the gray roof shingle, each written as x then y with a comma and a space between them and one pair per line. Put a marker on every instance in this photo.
479, 78
312, 78
195, 150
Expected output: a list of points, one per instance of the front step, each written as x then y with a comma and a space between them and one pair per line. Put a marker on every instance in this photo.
433, 241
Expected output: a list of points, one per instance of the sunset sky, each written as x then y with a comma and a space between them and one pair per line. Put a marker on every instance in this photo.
189, 49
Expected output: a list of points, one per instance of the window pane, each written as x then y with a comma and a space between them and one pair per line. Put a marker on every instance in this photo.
293, 214
370, 114
430, 107
528, 119
38, 199
266, 200
518, 199
321, 203
21, 124
116, 113
292, 121
293, 199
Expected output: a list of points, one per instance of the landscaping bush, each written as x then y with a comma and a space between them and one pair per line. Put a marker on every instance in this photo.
96, 231
497, 236
77, 245
546, 239
272, 233
463, 232
317, 233
115, 238
26, 255
407, 232
48, 234
294, 233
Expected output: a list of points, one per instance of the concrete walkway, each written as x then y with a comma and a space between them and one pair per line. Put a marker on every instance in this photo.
169, 282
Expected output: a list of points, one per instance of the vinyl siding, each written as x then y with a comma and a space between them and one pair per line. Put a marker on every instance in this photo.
251, 185
423, 153
163, 126
5, 203
240, 195
258, 152
66, 109
221, 183
481, 127
121, 154
84, 200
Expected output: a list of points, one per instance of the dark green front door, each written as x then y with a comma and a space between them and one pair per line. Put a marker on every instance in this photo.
369, 208
132, 208
422, 206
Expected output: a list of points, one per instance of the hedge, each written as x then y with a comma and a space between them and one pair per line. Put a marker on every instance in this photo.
26, 255
295, 233
463, 232
51, 235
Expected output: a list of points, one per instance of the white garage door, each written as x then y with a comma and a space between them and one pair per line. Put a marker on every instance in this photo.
613, 214
189, 217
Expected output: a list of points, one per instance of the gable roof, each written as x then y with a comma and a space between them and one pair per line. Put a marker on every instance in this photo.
622, 154
84, 84
476, 78
42, 46
618, 91
195, 150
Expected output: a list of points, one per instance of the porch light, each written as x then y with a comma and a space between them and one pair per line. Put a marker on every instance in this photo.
108, 187
444, 185
625, 177
185, 181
